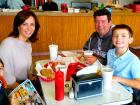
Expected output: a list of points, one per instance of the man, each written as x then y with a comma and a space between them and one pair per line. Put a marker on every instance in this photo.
50, 6
15, 4
101, 40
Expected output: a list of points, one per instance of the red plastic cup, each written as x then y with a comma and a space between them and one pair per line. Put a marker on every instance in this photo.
64, 7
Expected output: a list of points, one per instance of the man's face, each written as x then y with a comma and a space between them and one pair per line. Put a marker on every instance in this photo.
102, 24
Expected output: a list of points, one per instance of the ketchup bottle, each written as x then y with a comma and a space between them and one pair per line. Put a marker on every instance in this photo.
59, 85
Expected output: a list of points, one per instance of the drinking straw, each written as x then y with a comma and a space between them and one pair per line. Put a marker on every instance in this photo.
52, 40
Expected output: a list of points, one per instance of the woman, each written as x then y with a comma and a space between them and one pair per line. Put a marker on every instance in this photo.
16, 50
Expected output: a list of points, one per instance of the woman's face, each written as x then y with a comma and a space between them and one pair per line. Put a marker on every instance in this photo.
26, 29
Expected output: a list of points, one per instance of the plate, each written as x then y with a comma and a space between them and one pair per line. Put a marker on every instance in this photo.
68, 53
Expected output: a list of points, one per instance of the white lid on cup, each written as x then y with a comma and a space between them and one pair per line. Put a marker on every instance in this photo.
88, 52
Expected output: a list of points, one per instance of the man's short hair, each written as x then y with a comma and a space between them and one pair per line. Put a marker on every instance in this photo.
102, 12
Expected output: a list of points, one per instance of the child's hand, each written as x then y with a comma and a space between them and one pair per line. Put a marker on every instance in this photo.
13, 100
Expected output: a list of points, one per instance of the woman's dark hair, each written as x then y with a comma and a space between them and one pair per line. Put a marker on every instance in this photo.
123, 26
1, 62
19, 19
102, 12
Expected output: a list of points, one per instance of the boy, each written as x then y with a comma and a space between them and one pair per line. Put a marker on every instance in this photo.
125, 64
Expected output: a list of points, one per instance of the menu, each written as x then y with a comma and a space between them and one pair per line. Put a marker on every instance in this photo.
26, 94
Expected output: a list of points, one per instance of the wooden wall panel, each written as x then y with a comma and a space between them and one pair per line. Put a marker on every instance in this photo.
134, 22
70, 32
6, 25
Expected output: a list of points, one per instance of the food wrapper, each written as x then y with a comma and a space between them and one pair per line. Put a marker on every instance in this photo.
45, 73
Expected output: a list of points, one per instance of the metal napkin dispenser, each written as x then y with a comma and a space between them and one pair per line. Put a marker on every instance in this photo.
87, 85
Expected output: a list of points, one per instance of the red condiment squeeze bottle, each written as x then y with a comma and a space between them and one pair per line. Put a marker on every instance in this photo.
59, 85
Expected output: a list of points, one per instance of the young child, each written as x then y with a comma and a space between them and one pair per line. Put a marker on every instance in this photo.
4, 100
2, 80
125, 64
3, 85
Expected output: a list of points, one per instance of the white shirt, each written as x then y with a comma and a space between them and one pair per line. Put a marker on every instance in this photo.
17, 58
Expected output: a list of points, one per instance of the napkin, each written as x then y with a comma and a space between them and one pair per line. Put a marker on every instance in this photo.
90, 69
38, 67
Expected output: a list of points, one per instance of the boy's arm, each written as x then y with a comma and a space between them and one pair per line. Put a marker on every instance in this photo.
134, 83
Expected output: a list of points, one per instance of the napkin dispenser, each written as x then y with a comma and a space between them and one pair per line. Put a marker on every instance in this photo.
88, 85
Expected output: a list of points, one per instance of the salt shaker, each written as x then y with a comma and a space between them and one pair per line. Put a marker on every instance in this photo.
71, 93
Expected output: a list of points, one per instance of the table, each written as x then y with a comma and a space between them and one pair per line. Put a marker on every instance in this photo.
115, 96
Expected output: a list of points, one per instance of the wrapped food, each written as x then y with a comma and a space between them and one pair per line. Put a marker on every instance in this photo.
47, 74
